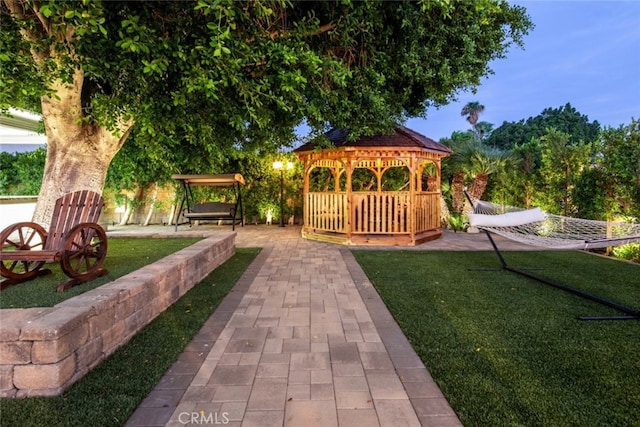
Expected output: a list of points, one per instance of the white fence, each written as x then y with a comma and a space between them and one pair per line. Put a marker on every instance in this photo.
16, 209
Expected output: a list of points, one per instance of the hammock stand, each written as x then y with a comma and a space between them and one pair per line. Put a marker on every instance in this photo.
484, 208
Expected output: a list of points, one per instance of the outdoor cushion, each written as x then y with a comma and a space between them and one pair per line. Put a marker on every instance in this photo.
509, 219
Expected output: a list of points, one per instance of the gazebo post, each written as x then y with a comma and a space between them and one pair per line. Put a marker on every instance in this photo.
418, 176
439, 185
305, 191
349, 214
412, 198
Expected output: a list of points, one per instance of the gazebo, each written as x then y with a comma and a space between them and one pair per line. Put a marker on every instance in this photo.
373, 214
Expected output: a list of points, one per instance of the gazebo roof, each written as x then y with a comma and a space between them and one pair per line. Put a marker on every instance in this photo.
402, 137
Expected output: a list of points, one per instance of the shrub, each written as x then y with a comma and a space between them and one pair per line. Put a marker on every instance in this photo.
629, 252
458, 222
21, 173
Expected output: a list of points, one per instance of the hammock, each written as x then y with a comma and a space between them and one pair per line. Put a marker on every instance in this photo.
538, 228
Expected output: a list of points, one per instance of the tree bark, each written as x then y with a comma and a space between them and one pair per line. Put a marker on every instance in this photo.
78, 152
478, 186
458, 187
444, 212
128, 210
152, 207
172, 213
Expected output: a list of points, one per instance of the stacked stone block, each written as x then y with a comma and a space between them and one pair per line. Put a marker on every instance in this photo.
43, 351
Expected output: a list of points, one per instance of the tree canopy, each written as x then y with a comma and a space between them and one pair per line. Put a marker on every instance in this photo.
199, 76
563, 119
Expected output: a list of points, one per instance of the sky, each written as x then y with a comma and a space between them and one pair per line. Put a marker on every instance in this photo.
586, 53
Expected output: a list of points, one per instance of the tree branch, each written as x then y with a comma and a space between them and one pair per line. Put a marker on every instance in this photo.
46, 23
14, 8
321, 30
17, 10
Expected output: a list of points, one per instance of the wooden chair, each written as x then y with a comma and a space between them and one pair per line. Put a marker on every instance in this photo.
74, 239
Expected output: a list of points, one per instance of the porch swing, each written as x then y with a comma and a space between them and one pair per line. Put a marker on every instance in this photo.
210, 210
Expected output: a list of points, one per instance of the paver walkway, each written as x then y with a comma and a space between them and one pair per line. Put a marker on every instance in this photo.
303, 339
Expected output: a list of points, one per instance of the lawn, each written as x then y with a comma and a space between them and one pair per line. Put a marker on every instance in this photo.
108, 395
123, 256
506, 350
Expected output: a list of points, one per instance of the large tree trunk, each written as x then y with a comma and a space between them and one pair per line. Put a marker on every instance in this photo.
78, 153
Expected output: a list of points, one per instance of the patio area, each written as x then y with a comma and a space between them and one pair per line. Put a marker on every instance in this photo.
303, 339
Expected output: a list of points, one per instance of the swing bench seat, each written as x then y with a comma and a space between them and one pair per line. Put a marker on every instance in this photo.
211, 211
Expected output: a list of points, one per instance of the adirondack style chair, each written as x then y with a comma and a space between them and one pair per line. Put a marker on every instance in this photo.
74, 239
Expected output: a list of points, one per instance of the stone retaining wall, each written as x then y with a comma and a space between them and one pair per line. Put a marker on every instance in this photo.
43, 351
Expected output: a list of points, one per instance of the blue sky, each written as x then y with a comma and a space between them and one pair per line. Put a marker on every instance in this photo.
586, 53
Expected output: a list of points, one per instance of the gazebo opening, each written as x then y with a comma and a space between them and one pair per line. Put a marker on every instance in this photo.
377, 190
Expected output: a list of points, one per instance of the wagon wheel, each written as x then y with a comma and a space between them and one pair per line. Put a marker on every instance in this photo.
85, 249
22, 236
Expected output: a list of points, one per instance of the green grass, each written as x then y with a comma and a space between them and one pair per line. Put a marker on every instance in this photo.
506, 350
109, 394
123, 256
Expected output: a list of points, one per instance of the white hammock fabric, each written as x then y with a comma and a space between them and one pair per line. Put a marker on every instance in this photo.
538, 228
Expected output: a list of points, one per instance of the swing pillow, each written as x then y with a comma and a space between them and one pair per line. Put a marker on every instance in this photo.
509, 219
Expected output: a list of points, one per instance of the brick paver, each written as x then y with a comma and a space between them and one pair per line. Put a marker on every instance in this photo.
303, 340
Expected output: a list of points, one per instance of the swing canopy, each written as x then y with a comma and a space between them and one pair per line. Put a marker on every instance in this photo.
223, 180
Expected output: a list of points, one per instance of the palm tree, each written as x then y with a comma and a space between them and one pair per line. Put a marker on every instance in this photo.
457, 186
484, 162
457, 165
473, 159
472, 110
483, 130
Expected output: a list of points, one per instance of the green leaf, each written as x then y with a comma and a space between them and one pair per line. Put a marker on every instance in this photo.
45, 10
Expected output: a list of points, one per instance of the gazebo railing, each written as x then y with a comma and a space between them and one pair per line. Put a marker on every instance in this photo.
371, 212
326, 212
380, 213
427, 211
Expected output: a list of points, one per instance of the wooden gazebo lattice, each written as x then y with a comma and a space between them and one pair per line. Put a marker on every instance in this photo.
407, 217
